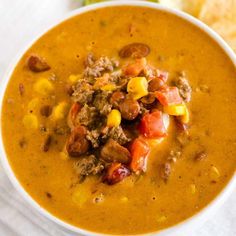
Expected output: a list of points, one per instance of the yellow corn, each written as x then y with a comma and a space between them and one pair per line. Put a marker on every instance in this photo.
108, 87
214, 173
81, 195
178, 110
161, 219
185, 117
114, 118
33, 104
43, 86
175, 110
64, 156
138, 87
192, 188
60, 111
124, 199
30, 121
74, 78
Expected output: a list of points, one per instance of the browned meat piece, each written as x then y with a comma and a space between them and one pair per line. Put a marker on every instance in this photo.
97, 68
93, 137
88, 165
47, 143
101, 102
155, 84
101, 81
37, 64
200, 156
46, 110
116, 98
72, 115
135, 50
115, 173
21, 89
89, 60
117, 77
114, 152
117, 134
131, 131
185, 90
69, 90
165, 171
83, 92
77, 144
87, 116
129, 109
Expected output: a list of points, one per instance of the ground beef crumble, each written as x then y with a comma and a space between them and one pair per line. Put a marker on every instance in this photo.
87, 165
185, 89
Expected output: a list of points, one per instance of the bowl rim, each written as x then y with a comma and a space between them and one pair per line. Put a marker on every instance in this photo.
189, 223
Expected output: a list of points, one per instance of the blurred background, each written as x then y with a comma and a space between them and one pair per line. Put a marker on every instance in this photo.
21, 21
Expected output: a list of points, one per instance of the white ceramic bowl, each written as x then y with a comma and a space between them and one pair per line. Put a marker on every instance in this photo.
182, 228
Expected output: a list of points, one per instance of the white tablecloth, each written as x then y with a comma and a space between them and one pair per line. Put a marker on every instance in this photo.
20, 21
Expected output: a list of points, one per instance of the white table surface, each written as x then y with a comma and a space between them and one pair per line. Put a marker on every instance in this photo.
20, 21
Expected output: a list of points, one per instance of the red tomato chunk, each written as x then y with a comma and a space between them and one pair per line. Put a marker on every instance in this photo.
152, 125
169, 96
139, 152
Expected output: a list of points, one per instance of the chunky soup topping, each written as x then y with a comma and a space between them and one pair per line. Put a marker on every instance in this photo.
132, 138
118, 113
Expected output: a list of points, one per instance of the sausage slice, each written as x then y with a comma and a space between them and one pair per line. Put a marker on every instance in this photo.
37, 64
77, 144
135, 50
114, 152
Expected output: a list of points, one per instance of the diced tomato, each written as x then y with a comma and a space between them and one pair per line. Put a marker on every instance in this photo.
134, 69
163, 75
115, 173
169, 96
139, 152
152, 125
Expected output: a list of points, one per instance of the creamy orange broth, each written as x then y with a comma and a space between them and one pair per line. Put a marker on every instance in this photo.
147, 204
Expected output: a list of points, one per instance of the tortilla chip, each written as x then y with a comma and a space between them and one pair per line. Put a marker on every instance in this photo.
227, 29
214, 10
177, 4
221, 16
193, 7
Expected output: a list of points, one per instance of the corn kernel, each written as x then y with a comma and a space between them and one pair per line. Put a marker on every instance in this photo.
161, 219
64, 156
114, 118
175, 110
192, 189
60, 111
124, 199
74, 78
108, 87
138, 87
186, 117
214, 173
33, 104
43, 87
30, 121
81, 195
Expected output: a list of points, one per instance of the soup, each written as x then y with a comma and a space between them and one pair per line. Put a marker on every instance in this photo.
174, 109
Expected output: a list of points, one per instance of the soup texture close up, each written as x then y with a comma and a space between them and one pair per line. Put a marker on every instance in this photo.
121, 120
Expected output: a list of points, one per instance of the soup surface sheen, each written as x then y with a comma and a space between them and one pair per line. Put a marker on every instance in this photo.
138, 205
